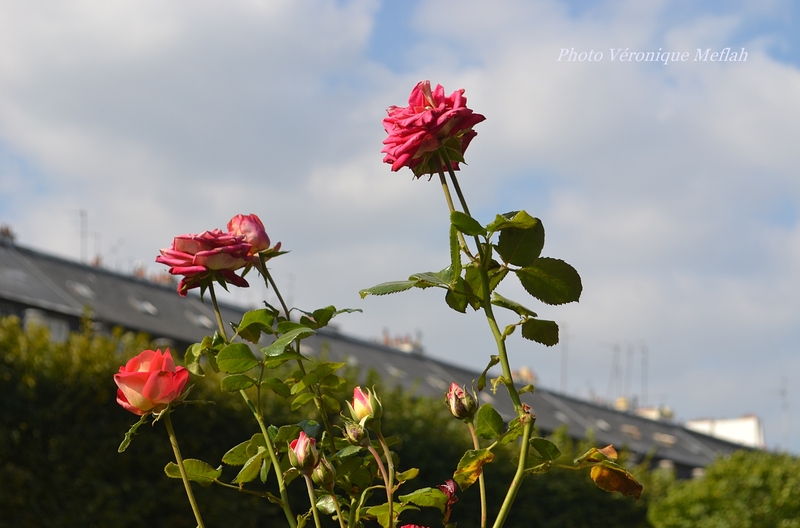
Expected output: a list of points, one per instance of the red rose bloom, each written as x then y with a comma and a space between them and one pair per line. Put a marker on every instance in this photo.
205, 256
429, 123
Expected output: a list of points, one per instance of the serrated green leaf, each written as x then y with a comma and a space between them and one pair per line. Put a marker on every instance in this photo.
191, 360
552, 281
541, 331
546, 449
381, 512
333, 382
406, 475
429, 279
456, 298
131, 433
508, 304
466, 224
514, 219
309, 379
386, 288
326, 505
236, 382
287, 433
470, 467
196, 471
251, 468
513, 432
278, 346
277, 386
302, 400
236, 358
237, 455
493, 360
488, 422
521, 246
426, 498
277, 360
254, 322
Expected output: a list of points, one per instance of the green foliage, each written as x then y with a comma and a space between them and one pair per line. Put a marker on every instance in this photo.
751, 489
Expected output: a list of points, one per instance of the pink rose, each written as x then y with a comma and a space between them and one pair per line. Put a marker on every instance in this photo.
251, 228
149, 382
211, 254
429, 122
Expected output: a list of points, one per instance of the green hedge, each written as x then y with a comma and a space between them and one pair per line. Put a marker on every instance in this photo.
60, 428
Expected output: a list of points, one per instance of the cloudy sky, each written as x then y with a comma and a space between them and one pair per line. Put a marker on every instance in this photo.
672, 188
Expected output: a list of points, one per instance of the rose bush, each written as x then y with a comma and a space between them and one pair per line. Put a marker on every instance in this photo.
204, 256
149, 382
430, 122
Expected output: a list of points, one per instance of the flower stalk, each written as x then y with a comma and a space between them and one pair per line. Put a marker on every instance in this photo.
173, 440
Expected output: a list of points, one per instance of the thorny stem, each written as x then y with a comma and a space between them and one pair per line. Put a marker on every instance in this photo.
173, 440
481, 482
312, 498
386, 481
269, 281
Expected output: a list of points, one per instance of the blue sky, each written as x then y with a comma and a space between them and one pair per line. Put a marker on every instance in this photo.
672, 189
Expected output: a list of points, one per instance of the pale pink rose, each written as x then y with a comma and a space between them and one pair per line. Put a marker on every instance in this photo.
429, 122
198, 257
149, 382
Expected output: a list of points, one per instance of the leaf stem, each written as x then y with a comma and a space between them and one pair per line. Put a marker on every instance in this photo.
481, 481
173, 440
390, 463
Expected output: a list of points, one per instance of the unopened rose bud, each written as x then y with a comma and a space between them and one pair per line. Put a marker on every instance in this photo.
461, 403
366, 408
303, 453
355, 433
324, 475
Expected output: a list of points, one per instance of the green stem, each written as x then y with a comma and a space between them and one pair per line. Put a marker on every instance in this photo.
518, 476
390, 463
287, 510
481, 482
314, 389
386, 480
462, 242
351, 518
338, 509
312, 498
173, 440
217, 312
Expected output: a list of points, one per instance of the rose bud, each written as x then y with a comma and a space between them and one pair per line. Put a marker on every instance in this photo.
252, 229
303, 453
324, 475
461, 403
366, 408
355, 433
149, 382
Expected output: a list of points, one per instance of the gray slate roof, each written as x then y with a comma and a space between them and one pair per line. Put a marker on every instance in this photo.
65, 289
